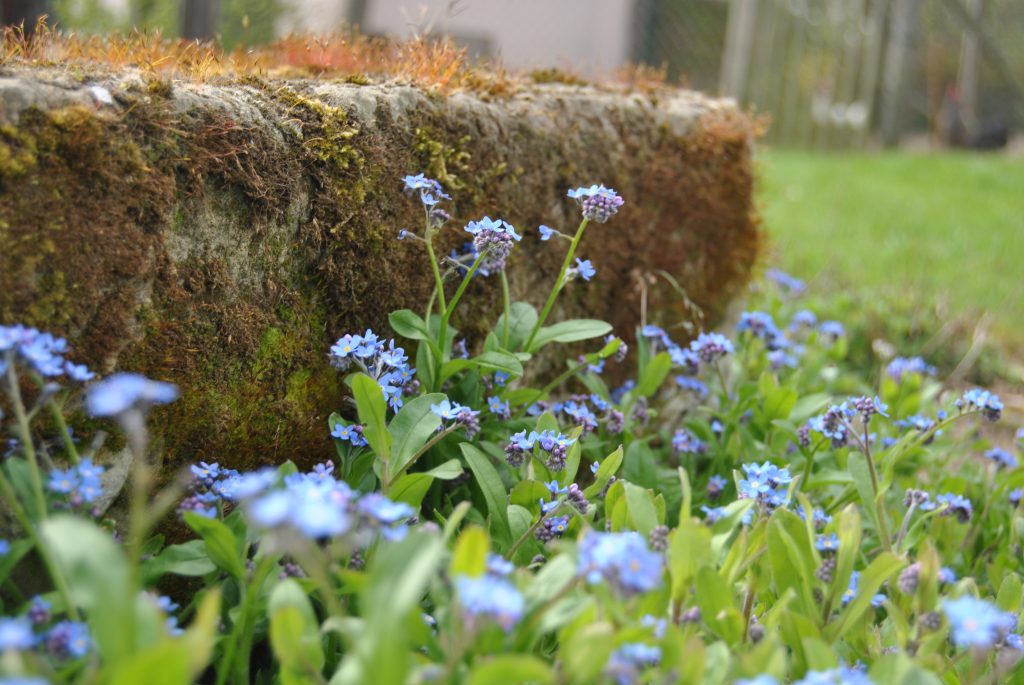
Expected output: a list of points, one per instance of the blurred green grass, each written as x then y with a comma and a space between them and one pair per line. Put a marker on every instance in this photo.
910, 228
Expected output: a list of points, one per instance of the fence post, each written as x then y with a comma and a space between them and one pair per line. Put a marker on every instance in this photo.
739, 40
967, 79
199, 19
897, 63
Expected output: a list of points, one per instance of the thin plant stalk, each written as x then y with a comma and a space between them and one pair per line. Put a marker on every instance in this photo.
25, 433
507, 301
558, 284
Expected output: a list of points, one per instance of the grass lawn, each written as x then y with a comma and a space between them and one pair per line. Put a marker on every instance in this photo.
944, 225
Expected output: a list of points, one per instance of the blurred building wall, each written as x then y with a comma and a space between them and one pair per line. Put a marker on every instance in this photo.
593, 36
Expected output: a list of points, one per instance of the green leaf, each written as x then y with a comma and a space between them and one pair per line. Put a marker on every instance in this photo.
884, 566
449, 470
570, 331
411, 488
409, 324
18, 549
294, 631
372, 410
496, 360
717, 606
412, 427
490, 484
689, 548
654, 374
186, 559
641, 509
510, 669
470, 555
221, 545
522, 320
98, 578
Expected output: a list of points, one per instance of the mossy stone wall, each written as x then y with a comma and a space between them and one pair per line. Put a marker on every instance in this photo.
221, 236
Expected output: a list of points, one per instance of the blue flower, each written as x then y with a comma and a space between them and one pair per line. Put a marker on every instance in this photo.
976, 622
5, 547
851, 590
904, 366
762, 326
827, 543
490, 597
546, 232
352, 434
430, 190
832, 330
956, 504
626, 663
597, 202
16, 634
497, 565
759, 680
693, 385
685, 442
585, 269
803, 319
63, 482
42, 352
844, 675
713, 514
124, 392
622, 560
711, 346
787, 283
946, 575
78, 372
68, 639
496, 406
1002, 458
494, 239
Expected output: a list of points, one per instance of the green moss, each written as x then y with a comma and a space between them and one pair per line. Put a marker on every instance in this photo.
443, 161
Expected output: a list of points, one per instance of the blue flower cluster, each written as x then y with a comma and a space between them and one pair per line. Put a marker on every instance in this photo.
62, 640
833, 424
909, 366
762, 326
430, 191
316, 505
977, 623
387, 364
78, 485
988, 403
627, 663
492, 238
458, 414
554, 444
586, 411
622, 560
40, 352
685, 442
764, 483
597, 202
492, 597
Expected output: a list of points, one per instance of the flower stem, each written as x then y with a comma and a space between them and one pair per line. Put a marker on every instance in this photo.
25, 433
438, 283
529, 531
442, 333
507, 300
558, 284
58, 579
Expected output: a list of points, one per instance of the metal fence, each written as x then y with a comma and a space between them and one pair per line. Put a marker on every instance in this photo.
851, 73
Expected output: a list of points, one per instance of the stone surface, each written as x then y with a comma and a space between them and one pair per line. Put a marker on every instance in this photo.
221, 236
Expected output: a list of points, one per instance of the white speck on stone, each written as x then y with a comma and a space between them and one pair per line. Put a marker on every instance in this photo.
102, 95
